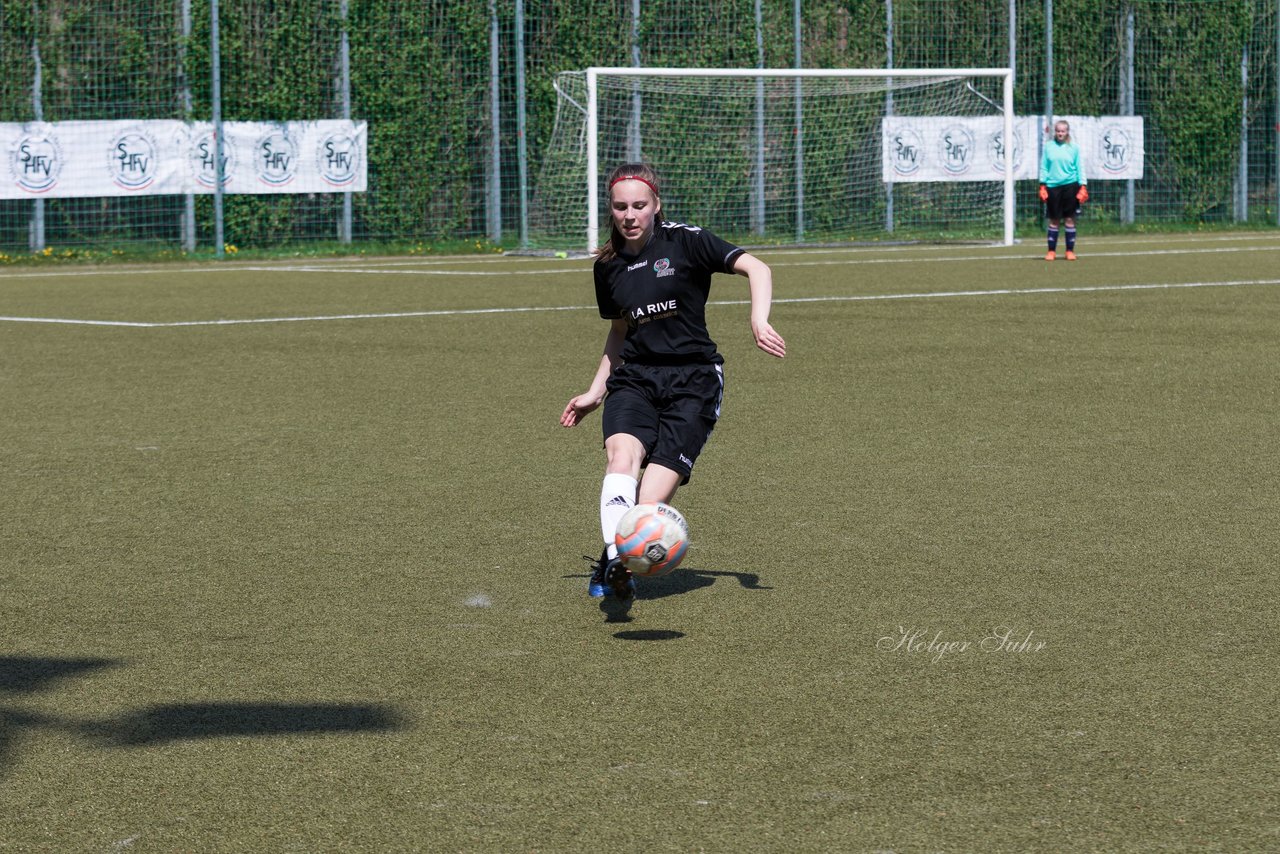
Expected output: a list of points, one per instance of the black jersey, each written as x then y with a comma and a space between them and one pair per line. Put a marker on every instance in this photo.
662, 292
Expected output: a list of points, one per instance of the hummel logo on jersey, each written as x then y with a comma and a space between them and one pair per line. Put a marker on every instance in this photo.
618, 501
637, 265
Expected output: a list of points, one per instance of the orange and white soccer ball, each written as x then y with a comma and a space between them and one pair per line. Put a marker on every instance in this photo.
652, 539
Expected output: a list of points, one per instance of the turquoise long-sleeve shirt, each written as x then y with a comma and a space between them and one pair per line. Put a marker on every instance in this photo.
1061, 164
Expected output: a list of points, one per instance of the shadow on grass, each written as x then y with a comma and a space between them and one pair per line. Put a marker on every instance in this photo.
679, 582
687, 580
649, 635
616, 610
20, 674
160, 724
682, 581
184, 721
26, 675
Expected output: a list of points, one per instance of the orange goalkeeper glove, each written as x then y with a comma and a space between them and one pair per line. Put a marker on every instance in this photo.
1044, 193
1082, 195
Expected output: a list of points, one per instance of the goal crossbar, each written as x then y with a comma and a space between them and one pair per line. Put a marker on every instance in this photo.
594, 73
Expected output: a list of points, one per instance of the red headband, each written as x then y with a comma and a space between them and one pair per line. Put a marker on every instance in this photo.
644, 181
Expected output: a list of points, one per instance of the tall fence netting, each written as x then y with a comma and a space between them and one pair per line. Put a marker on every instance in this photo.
460, 102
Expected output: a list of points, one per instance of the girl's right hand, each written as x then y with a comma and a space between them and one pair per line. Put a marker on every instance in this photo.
579, 408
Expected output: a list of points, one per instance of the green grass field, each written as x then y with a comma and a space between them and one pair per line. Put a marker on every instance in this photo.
983, 566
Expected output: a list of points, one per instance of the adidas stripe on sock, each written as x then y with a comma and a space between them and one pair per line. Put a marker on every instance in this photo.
617, 496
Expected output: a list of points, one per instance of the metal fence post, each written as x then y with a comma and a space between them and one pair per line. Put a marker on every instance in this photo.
1127, 108
344, 59
1048, 60
522, 128
494, 177
1242, 174
888, 106
799, 63
36, 238
219, 231
757, 207
635, 145
189, 201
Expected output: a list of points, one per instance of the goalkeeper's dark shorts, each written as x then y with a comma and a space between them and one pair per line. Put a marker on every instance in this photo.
1062, 202
671, 409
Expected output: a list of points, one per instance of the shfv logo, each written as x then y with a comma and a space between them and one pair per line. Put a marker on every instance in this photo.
1115, 149
201, 157
35, 162
957, 147
998, 151
277, 158
133, 159
338, 158
906, 152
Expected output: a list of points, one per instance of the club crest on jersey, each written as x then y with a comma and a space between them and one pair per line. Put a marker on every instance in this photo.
662, 267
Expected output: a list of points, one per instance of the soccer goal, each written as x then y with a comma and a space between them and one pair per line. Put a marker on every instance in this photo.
786, 156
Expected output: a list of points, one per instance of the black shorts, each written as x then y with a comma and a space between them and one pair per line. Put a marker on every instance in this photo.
671, 409
1062, 202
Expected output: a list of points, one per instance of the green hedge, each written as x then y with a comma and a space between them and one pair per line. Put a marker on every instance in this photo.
420, 75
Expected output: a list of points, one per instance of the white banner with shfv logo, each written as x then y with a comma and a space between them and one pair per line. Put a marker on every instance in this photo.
1111, 146
956, 148
972, 148
133, 158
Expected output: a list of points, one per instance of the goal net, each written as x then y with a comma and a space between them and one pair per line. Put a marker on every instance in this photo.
782, 156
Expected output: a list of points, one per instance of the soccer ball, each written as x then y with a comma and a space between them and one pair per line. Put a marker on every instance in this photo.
652, 539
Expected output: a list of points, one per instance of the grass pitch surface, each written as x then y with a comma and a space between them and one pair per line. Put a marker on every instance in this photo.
289, 561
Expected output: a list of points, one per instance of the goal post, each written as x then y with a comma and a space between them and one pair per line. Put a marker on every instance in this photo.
781, 156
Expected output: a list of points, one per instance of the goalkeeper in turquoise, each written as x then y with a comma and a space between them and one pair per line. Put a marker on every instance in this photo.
1063, 188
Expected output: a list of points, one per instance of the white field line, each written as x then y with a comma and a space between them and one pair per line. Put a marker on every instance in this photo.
835, 262
1082, 289
1089, 244
1037, 259
509, 269
300, 319
182, 271
527, 309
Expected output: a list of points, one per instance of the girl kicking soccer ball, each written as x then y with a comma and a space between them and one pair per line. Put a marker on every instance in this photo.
661, 379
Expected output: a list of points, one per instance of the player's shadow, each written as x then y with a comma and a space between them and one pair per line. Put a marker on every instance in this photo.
28, 674
20, 675
684, 581
679, 582
187, 721
675, 584
687, 580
